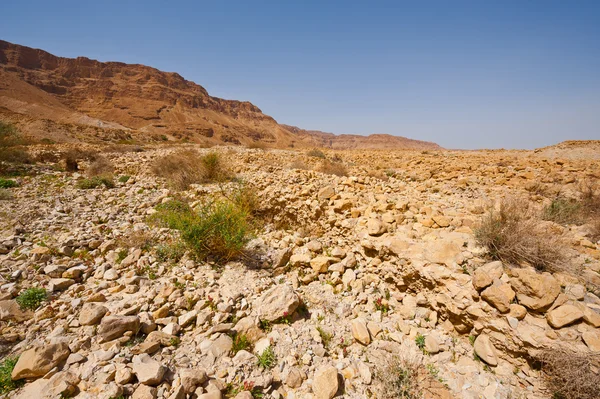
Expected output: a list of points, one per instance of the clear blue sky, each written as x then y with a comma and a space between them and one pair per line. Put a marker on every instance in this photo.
465, 74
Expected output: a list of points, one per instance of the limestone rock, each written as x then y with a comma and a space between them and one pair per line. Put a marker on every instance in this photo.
113, 327
91, 313
147, 370
325, 382
485, 275
535, 291
277, 302
360, 332
144, 392
499, 296
564, 315
37, 361
485, 350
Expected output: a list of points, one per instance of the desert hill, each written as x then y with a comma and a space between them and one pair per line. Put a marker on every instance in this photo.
82, 99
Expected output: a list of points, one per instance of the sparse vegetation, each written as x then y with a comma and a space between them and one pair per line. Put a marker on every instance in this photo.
5, 194
570, 374
6, 382
562, 211
316, 153
267, 359
32, 298
400, 378
7, 183
333, 168
513, 234
420, 341
219, 228
186, 167
240, 342
95, 182
325, 336
100, 167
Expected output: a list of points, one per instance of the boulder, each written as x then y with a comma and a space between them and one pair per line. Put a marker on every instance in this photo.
442, 252
499, 295
375, 227
277, 302
10, 310
144, 392
326, 193
592, 340
360, 332
38, 361
535, 291
485, 350
325, 382
113, 327
91, 313
147, 370
564, 315
485, 275
192, 378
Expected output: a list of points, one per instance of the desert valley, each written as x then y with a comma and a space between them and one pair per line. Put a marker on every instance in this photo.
158, 242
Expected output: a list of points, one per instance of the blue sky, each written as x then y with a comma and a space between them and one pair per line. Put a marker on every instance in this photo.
465, 74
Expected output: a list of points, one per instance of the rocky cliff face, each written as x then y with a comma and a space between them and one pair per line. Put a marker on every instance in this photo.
143, 102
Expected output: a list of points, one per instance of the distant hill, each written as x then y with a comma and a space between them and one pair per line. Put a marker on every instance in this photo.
79, 99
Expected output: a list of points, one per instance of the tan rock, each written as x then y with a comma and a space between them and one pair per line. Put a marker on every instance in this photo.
37, 361
325, 382
442, 252
431, 344
294, 377
192, 378
10, 310
326, 193
535, 291
375, 227
592, 340
442, 221
279, 301
485, 350
499, 296
147, 370
320, 263
591, 317
485, 275
144, 392
113, 327
517, 311
564, 315
91, 313
360, 332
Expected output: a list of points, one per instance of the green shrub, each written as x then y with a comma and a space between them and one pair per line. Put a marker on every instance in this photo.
5, 194
6, 183
220, 228
9, 135
420, 341
240, 342
186, 167
316, 153
95, 182
562, 211
267, 359
325, 336
124, 178
6, 382
172, 252
31, 298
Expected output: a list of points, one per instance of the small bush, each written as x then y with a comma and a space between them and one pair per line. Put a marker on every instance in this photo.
187, 167
5, 194
31, 298
95, 182
267, 359
220, 228
298, 164
571, 375
100, 166
325, 336
6, 183
258, 145
15, 155
333, 168
400, 378
172, 252
514, 235
6, 382
124, 178
240, 342
316, 153
562, 211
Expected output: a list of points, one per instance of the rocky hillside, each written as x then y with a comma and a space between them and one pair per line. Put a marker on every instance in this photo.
81, 99
366, 285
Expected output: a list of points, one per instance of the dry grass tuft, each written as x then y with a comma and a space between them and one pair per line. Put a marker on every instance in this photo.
100, 166
298, 164
186, 167
571, 375
514, 234
332, 168
258, 145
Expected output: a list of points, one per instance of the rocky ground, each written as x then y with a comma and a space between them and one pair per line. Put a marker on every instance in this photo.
347, 274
